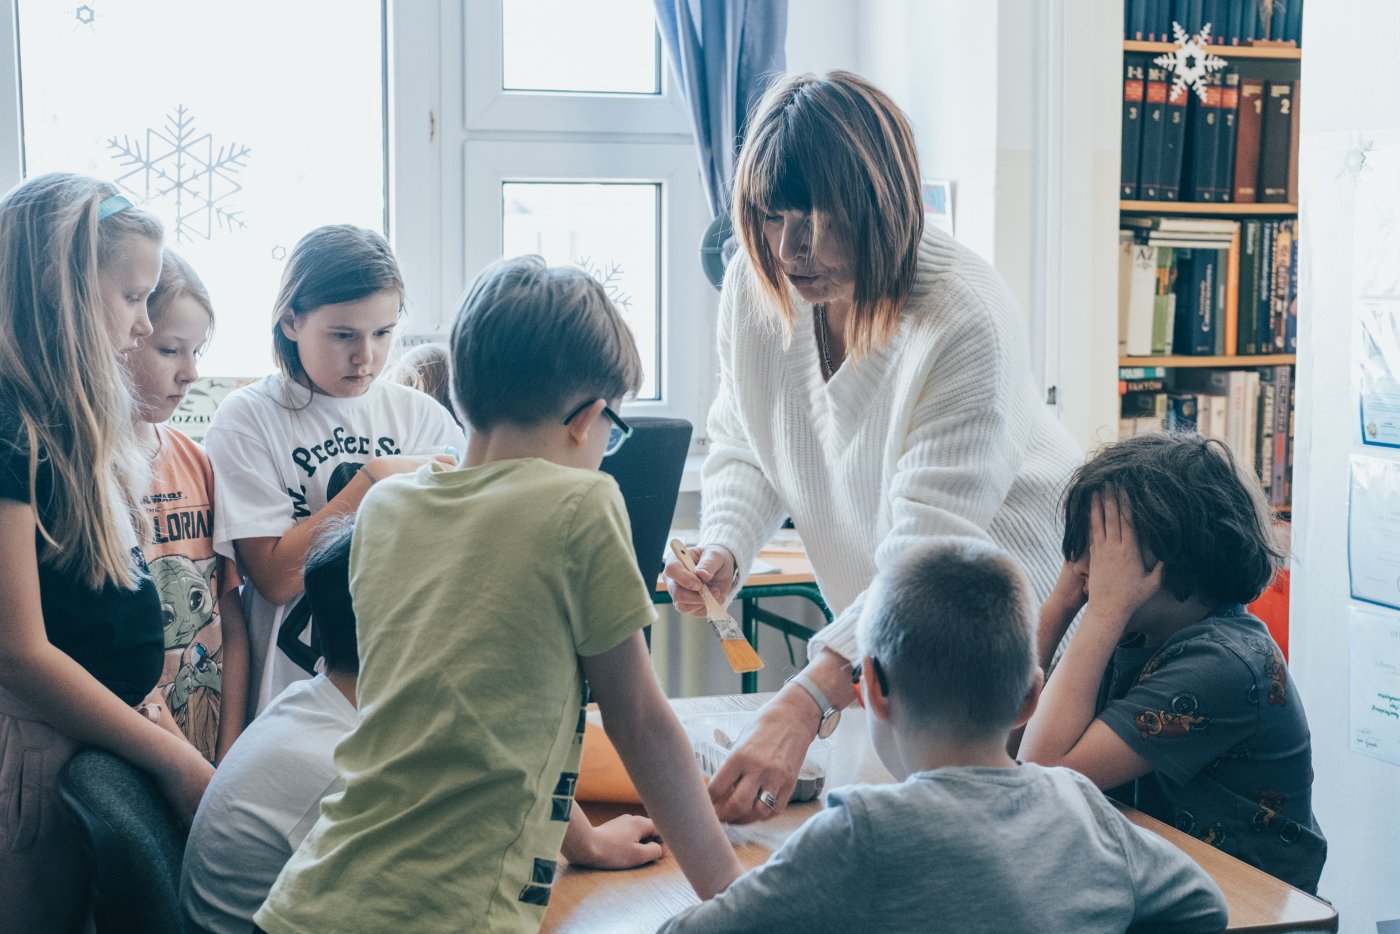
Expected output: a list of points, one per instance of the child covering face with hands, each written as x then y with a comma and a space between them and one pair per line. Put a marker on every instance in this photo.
1169, 692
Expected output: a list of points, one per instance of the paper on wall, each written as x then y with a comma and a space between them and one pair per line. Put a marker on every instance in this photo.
1373, 530
1377, 371
1374, 640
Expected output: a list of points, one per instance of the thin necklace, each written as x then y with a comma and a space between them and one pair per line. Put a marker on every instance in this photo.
828, 371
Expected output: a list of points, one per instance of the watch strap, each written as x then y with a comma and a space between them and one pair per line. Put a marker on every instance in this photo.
807, 684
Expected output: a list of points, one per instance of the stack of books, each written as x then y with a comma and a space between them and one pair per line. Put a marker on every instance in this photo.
1207, 287
1233, 22
1251, 410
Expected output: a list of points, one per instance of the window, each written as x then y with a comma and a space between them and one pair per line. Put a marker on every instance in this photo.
577, 146
234, 124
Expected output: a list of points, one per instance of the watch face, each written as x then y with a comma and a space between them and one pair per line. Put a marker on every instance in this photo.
828, 724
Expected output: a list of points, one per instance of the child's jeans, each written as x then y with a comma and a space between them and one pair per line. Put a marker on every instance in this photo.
44, 873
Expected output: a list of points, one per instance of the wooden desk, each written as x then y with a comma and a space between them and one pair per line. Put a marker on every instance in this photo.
586, 901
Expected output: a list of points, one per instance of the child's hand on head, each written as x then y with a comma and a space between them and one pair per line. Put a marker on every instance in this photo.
1071, 589
1121, 576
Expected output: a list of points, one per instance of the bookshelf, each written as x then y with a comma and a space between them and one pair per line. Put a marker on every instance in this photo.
1207, 213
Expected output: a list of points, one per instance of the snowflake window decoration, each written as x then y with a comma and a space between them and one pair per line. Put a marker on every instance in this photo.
1190, 63
177, 163
610, 278
85, 14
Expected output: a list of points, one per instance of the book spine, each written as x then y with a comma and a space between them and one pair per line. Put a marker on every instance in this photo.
1278, 23
1161, 338
1247, 334
1232, 296
1195, 16
1181, 412
1282, 414
1225, 150
1290, 333
1220, 302
1164, 20
1264, 418
1264, 295
1294, 133
1293, 28
1142, 372
1137, 20
1218, 405
1205, 139
1234, 18
1184, 319
1234, 417
1174, 144
1247, 126
1133, 80
1142, 291
1283, 257
1249, 29
1274, 144
1251, 421
1204, 270
1154, 125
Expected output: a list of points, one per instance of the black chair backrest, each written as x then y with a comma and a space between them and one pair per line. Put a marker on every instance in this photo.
648, 470
135, 841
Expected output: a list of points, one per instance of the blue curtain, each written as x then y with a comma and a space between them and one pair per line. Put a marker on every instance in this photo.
723, 52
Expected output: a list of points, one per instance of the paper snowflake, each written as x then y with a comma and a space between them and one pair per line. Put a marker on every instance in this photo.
1354, 160
1189, 62
85, 14
180, 165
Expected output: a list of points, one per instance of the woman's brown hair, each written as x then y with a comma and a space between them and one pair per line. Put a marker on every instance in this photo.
837, 147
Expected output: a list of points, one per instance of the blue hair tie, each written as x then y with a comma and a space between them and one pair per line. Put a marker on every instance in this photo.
113, 205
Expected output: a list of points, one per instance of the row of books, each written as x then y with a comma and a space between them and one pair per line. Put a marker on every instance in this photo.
1251, 410
1232, 22
1238, 144
1207, 287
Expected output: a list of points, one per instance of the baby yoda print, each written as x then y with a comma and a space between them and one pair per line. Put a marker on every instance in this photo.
191, 682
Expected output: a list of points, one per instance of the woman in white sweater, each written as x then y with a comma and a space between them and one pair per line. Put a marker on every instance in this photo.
874, 386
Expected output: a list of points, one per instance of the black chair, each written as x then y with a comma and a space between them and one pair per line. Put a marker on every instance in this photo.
136, 843
648, 470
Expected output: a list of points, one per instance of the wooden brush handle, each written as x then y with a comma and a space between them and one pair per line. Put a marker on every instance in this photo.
682, 553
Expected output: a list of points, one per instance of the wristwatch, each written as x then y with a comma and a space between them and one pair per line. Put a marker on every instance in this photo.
830, 714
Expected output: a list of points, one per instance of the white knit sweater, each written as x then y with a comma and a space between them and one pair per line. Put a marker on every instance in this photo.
940, 433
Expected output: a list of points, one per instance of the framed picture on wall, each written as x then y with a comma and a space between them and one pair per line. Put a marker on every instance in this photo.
938, 204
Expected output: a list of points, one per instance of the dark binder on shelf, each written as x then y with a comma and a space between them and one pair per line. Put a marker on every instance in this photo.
1169, 175
1164, 20
1290, 330
1248, 328
1204, 140
1283, 259
1226, 130
1210, 14
1234, 22
1137, 19
1195, 16
1134, 69
1293, 28
1278, 23
1154, 125
1274, 142
1247, 126
1196, 302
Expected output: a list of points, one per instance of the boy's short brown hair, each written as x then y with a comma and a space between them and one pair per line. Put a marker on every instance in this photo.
530, 340
950, 624
1191, 507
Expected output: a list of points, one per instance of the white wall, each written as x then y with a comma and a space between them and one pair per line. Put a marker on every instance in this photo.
1348, 72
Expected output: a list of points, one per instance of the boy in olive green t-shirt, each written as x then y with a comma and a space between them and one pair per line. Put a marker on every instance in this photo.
486, 597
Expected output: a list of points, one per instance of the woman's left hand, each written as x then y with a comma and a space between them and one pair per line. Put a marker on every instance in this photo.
767, 757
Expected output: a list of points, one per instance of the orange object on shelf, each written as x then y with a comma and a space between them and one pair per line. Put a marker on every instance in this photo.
1272, 609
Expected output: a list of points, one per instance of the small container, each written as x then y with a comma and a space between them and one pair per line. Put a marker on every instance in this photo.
708, 735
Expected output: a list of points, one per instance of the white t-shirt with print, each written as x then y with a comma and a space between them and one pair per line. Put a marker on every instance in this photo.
262, 801
280, 453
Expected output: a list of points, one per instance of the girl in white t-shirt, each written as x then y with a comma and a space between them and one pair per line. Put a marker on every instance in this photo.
305, 444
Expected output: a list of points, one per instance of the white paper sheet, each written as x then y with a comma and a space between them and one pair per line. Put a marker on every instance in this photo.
1376, 364
1373, 530
1374, 640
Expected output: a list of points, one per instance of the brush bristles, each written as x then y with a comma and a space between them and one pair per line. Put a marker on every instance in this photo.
741, 655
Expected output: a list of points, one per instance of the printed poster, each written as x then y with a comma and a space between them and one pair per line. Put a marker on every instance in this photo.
1375, 684
1377, 371
1373, 530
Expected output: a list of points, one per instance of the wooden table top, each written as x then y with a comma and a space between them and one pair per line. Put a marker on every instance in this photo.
793, 566
586, 901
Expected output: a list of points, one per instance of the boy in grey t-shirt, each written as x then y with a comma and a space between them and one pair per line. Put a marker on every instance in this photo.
969, 840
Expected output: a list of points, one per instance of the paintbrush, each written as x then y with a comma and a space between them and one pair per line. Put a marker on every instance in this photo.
741, 655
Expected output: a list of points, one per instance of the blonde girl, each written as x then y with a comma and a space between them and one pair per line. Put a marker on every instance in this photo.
80, 626
203, 687
306, 443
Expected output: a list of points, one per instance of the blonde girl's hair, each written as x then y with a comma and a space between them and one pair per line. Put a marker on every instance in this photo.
60, 374
428, 369
839, 148
329, 266
177, 278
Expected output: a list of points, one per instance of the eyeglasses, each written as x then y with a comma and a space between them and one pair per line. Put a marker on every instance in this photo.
857, 674
618, 432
